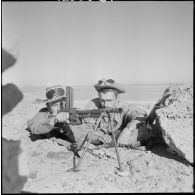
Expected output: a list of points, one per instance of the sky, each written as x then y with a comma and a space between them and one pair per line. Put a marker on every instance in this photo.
78, 43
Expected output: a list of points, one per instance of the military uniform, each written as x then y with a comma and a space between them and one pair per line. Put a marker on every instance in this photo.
44, 122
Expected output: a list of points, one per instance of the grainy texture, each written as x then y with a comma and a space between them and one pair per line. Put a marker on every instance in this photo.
157, 170
176, 119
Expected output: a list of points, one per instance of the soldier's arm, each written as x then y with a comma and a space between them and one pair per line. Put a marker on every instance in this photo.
42, 122
133, 116
132, 120
90, 122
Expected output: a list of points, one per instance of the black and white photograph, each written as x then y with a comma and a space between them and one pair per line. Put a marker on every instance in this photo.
97, 96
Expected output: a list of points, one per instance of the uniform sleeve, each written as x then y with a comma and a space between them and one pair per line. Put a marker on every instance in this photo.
41, 123
90, 122
133, 112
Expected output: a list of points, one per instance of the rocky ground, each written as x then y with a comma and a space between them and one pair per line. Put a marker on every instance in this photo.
46, 163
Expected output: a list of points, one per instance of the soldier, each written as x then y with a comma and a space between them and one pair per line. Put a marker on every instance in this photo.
130, 128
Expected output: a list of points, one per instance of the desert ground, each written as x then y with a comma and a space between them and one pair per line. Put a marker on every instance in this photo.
45, 163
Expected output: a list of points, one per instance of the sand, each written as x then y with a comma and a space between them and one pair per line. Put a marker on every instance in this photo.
46, 163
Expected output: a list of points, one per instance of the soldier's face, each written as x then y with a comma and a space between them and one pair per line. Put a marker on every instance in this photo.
108, 99
55, 107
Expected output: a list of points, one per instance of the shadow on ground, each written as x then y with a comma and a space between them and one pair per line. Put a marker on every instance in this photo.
51, 134
161, 150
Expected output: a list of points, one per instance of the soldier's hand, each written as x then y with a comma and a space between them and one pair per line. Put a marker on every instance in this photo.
63, 117
99, 137
123, 139
105, 139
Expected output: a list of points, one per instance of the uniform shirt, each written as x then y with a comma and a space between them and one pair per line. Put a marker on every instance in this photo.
43, 122
129, 113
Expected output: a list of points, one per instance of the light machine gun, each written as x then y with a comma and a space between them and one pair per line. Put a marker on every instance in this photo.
74, 117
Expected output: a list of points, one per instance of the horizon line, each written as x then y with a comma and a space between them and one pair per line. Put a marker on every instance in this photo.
166, 83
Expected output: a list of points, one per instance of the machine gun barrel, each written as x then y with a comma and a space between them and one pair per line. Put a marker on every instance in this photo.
94, 113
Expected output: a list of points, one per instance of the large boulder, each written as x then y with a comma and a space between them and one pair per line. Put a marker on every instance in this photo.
175, 120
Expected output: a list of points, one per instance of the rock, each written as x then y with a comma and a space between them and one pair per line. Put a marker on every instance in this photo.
12, 181
33, 175
175, 120
59, 155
